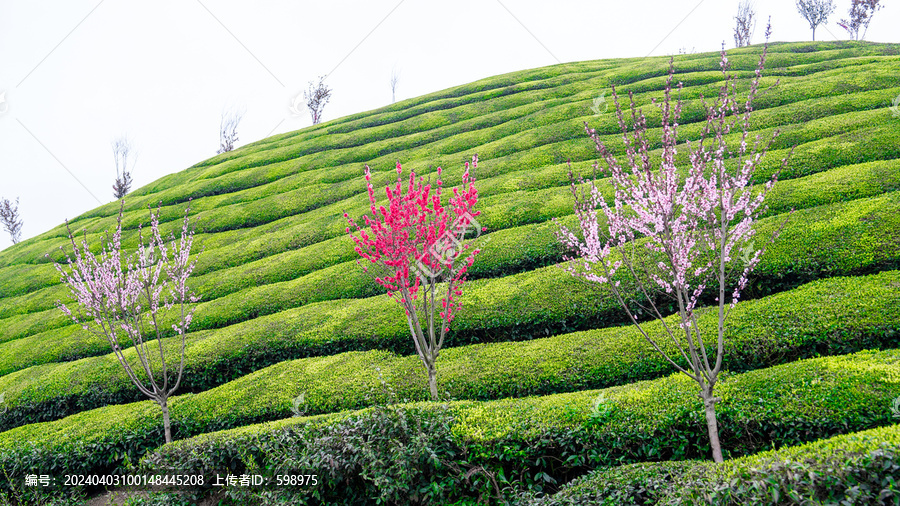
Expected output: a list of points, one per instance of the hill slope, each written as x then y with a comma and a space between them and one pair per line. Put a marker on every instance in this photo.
278, 277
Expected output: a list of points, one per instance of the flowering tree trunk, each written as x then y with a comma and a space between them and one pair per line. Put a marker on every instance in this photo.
419, 255
116, 294
689, 227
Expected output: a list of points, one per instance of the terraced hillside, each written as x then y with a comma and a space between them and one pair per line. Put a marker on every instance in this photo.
287, 311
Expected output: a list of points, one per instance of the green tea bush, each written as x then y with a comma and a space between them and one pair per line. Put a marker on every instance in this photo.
540, 442
857, 468
847, 238
271, 174
529, 122
806, 160
831, 316
384, 455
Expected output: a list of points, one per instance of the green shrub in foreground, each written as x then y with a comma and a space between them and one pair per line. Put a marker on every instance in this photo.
860, 468
393, 455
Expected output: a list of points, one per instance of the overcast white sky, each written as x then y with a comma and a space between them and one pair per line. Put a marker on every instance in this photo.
75, 74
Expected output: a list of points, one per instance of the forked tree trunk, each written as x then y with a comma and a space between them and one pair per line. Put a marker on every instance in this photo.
712, 426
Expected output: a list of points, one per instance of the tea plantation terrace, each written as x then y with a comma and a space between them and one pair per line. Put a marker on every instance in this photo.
547, 388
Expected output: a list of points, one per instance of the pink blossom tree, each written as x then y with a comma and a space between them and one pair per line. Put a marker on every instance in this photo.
676, 232
415, 247
117, 294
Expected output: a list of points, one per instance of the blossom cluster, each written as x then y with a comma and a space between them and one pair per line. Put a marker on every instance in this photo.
415, 239
116, 292
692, 219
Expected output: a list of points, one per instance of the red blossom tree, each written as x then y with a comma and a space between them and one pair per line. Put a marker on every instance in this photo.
118, 293
677, 233
415, 247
